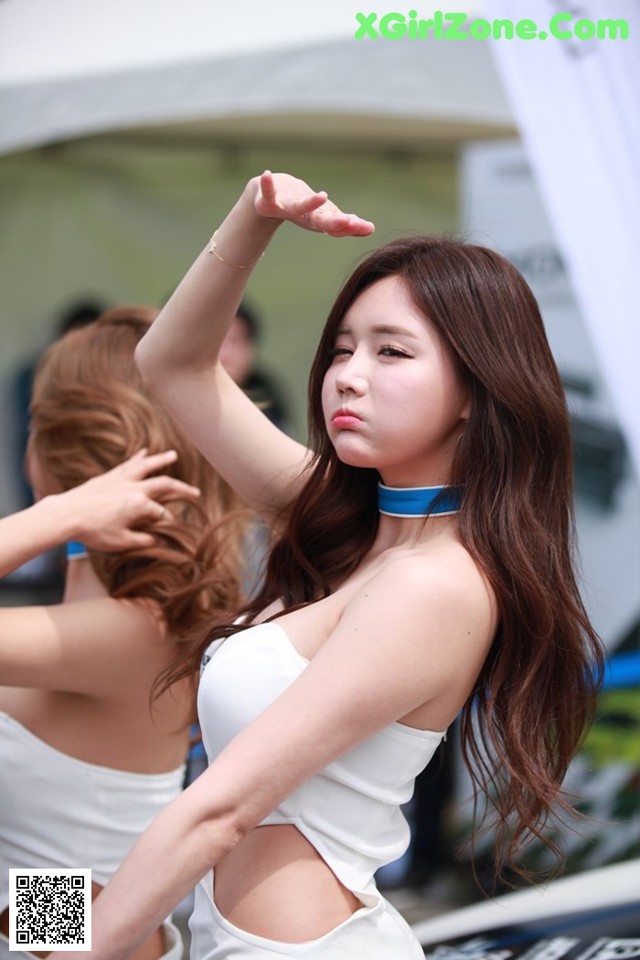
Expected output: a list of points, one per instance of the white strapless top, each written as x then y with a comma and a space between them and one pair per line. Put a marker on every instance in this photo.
350, 811
57, 811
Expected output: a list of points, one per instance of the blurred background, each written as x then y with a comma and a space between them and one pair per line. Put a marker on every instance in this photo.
129, 127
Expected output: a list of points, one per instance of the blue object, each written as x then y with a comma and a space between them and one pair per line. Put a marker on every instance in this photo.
622, 670
418, 501
76, 550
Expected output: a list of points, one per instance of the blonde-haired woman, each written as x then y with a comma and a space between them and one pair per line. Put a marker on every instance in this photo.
92, 736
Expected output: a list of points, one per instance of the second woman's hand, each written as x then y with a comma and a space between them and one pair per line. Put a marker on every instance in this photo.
106, 511
280, 196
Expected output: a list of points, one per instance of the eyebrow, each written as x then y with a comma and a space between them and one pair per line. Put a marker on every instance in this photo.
380, 328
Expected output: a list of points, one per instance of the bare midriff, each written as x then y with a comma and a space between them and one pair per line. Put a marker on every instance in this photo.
151, 949
275, 884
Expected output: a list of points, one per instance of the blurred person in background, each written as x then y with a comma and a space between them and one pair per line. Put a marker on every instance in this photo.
238, 355
43, 574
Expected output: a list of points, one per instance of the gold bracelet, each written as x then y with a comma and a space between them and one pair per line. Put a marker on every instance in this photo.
212, 247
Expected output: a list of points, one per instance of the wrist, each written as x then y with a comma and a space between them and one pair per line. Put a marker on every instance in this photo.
243, 236
62, 521
250, 195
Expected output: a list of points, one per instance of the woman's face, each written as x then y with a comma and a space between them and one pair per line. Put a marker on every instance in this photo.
392, 398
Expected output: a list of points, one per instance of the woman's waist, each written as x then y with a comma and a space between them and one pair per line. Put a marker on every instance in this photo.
275, 883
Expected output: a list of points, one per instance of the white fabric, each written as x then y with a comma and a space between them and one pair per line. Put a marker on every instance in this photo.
577, 104
350, 812
374, 932
57, 811
68, 69
133, 33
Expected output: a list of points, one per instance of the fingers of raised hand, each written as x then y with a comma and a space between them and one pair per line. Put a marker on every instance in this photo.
338, 224
158, 511
163, 487
136, 510
137, 540
142, 463
268, 187
149, 507
286, 198
144, 505
323, 216
168, 488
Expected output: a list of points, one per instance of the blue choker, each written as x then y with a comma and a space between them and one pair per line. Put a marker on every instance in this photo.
76, 550
418, 501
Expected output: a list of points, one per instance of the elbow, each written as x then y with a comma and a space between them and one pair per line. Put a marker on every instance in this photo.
161, 366
216, 815
219, 836
147, 368
155, 371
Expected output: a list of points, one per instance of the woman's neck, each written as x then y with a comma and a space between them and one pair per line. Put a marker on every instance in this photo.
82, 582
410, 532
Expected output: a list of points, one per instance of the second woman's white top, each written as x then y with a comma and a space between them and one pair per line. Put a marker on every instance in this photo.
58, 811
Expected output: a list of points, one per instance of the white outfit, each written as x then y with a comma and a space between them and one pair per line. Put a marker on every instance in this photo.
57, 811
350, 811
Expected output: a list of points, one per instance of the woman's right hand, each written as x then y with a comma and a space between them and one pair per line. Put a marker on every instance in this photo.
106, 511
279, 196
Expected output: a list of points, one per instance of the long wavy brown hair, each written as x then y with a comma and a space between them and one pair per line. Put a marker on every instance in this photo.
90, 410
534, 698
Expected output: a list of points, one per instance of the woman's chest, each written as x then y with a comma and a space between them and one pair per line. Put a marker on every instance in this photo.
309, 627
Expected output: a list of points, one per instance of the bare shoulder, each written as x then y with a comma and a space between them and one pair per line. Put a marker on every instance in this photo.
134, 629
431, 617
442, 577
100, 614
128, 640
93, 646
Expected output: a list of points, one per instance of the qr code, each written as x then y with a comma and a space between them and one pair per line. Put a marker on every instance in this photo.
50, 909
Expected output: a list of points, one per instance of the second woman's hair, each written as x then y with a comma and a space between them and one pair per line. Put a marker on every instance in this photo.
90, 411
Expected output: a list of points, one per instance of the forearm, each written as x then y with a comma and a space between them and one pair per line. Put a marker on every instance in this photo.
187, 335
178, 356
173, 854
30, 532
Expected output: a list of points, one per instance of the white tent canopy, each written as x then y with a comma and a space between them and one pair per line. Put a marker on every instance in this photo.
69, 69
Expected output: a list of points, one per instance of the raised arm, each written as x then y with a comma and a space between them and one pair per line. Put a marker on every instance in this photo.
103, 512
179, 355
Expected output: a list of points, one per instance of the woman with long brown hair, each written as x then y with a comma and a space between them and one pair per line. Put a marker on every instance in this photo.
91, 749
423, 568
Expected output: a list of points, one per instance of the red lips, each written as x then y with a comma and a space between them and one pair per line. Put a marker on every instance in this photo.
345, 418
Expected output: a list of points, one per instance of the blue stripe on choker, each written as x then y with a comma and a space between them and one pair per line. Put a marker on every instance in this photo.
418, 501
76, 550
